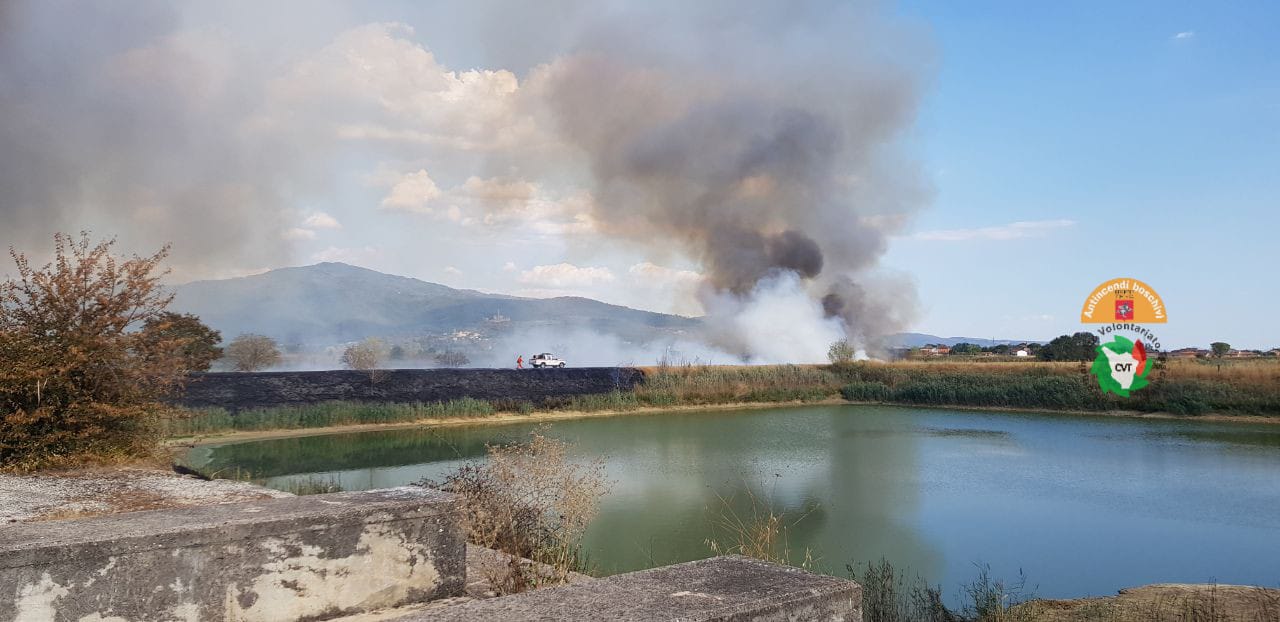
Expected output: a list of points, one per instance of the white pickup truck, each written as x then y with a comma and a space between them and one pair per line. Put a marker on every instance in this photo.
545, 360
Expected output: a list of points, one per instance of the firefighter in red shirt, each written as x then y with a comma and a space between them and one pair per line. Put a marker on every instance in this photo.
520, 361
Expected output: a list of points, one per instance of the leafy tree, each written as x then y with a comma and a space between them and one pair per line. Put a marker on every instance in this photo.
1081, 346
197, 343
841, 352
251, 352
1220, 349
78, 376
966, 348
452, 358
397, 353
366, 355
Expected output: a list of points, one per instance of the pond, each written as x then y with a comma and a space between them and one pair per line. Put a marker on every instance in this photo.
1081, 505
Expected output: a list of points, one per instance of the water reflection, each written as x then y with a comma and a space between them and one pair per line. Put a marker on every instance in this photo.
1085, 505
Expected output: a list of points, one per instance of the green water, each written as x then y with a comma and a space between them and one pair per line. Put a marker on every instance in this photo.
1082, 505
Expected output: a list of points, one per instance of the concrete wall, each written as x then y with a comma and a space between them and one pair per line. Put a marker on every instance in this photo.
720, 589
236, 391
300, 558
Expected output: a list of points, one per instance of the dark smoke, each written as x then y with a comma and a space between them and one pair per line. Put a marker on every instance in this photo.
760, 143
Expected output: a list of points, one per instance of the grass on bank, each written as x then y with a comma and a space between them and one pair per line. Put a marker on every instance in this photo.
1178, 387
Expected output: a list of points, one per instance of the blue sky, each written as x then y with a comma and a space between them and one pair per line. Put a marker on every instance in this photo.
1058, 145
1154, 127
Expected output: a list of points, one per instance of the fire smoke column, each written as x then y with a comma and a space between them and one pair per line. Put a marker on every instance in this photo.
762, 144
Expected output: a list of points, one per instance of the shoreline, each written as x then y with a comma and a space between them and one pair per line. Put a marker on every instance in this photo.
506, 418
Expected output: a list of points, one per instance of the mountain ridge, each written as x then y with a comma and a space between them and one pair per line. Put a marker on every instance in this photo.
329, 303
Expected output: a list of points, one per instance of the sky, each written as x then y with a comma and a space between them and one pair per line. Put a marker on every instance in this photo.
1016, 156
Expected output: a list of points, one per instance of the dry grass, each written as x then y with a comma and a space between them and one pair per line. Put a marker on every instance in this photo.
531, 501
689, 384
1241, 372
1165, 603
755, 530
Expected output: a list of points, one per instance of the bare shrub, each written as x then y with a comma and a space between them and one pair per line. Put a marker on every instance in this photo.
841, 353
452, 358
253, 352
365, 355
531, 501
757, 530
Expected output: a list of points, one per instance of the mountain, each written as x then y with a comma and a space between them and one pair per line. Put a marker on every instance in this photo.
331, 303
314, 307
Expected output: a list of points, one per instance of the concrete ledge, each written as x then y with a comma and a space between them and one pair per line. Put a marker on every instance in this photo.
729, 589
282, 559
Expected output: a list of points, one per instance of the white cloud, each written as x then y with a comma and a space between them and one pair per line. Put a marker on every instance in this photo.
1011, 231
1184, 35
375, 83
296, 234
652, 274
491, 202
566, 275
510, 266
452, 271
412, 192
321, 220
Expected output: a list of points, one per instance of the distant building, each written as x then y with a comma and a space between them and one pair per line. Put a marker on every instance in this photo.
1022, 352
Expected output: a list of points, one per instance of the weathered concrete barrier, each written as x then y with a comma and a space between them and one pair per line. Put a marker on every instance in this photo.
237, 390
729, 589
301, 558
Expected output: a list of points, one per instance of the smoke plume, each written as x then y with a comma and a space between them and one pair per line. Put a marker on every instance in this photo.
115, 118
762, 145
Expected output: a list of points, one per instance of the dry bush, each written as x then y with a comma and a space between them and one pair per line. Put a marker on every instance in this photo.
365, 356
253, 352
79, 376
757, 530
531, 501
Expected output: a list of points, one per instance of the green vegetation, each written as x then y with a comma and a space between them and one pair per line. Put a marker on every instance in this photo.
1054, 387
1078, 347
200, 343
212, 420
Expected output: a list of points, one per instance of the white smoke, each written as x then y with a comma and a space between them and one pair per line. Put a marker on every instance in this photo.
777, 322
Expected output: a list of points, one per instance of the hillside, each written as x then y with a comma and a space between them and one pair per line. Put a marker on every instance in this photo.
312, 308
331, 303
